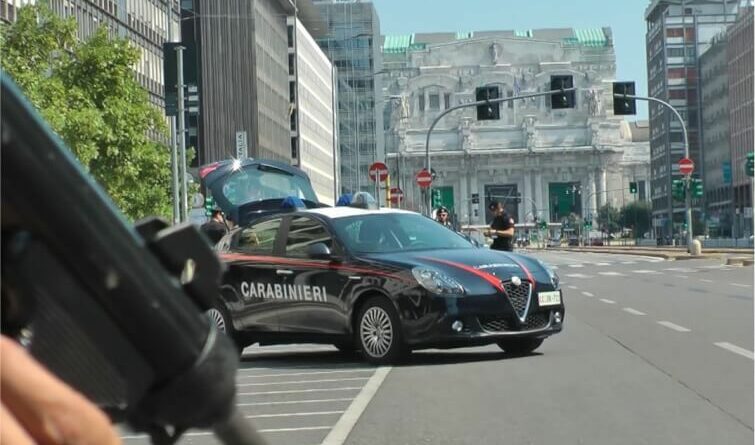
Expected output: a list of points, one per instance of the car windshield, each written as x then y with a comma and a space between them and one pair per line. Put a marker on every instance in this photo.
395, 232
253, 184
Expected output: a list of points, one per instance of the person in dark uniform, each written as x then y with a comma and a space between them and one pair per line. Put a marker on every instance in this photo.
443, 217
502, 228
215, 228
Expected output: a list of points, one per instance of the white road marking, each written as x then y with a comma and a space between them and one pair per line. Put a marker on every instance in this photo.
633, 311
297, 391
576, 265
612, 274
629, 262
302, 382
209, 433
296, 402
607, 301
682, 276
705, 280
339, 433
645, 271
578, 275
714, 266
293, 374
602, 264
554, 267
347, 367
736, 349
673, 326
269, 416
681, 269
741, 285
587, 294
571, 287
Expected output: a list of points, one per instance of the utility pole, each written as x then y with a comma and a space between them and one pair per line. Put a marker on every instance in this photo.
182, 134
173, 139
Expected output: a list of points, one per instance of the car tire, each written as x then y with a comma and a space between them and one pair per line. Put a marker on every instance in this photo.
219, 316
520, 346
378, 332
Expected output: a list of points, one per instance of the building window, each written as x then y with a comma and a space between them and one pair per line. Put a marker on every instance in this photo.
677, 94
447, 100
676, 73
291, 64
290, 36
434, 101
422, 102
294, 151
675, 32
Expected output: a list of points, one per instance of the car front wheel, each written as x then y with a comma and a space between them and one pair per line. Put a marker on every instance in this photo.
378, 332
220, 318
520, 346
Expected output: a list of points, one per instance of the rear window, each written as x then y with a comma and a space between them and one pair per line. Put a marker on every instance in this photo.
251, 184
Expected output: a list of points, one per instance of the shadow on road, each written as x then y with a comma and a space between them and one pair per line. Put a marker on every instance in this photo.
314, 359
429, 358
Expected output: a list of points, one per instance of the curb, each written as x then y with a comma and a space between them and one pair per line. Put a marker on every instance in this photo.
665, 255
739, 261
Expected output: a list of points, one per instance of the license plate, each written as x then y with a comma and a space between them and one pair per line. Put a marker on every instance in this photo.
549, 298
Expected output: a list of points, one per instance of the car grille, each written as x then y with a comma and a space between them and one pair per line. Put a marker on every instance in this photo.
518, 295
537, 320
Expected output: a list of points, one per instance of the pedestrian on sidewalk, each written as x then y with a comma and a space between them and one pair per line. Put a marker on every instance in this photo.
502, 228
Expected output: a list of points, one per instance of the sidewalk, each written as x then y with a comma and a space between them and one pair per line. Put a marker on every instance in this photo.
743, 256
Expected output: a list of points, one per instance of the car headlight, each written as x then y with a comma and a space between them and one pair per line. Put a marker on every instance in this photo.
437, 282
551, 274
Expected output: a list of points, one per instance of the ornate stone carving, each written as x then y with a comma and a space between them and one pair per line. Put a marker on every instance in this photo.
528, 132
594, 103
495, 52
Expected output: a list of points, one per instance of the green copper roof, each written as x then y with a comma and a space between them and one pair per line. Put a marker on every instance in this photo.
590, 36
463, 35
397, 43
525, 34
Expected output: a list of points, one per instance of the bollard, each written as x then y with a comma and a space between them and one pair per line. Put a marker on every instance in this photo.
696, 248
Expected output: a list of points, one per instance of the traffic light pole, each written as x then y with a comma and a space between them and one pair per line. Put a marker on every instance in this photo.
469, 105
688, 192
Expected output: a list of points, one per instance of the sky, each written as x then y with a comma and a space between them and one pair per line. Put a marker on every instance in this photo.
625, 17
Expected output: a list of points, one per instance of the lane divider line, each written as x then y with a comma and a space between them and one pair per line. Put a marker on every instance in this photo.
736, 349
269, 416
297, 391
587, 294
294, 374
740, 285
342, 428
607, 301
571, 287
705, 280
633, 311
673, 326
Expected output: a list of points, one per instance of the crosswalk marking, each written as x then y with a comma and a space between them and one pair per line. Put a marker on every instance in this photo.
612, 274
571, 287
602, 264
629, 262
705, 280
673, 326
633, 311
576, 265
740, 285
587, 294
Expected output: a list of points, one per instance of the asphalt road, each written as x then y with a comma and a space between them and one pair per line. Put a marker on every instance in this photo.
653, 352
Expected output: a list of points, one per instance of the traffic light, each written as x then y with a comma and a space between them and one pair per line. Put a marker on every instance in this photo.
436, 198
518, 198
697, 188
489, 111
209, 205
750, 164
543, 224
678, 189
633, 188
562, 99
475, 198
624, 106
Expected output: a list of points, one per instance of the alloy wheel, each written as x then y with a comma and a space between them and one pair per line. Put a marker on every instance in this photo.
376, 332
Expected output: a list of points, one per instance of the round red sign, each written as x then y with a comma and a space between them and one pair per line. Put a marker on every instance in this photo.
396, 194
424, 178
686, 166
378, 169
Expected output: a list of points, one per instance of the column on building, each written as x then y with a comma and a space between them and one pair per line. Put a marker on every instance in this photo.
592, 205
474, 180
463, 207
541, 197
527, 196
603, 192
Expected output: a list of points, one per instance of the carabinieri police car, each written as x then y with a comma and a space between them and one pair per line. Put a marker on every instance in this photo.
381, 281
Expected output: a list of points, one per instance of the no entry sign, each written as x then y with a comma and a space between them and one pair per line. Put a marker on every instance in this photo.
424, 178
378, 170
686, 166
396, 195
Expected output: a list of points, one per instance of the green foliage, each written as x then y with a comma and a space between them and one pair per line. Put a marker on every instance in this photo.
609, 219
638, 216
89, 95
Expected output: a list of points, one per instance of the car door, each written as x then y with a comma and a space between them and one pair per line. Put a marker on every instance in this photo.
315, 287
252, 265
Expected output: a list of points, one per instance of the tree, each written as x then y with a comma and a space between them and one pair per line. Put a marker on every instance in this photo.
609, 219
89, 95
638, 216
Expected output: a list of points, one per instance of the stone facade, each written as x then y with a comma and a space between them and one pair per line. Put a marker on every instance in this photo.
559, 161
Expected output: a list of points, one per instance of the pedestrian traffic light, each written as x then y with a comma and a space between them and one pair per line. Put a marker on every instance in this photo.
678, 189
518, 198
543, 224
697, 188
623, 105
562, 99
436, 198
475, 198
209, 205
488, 111
633, 188
750, 164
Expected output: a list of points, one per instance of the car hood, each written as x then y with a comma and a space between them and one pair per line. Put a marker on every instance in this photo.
480, 271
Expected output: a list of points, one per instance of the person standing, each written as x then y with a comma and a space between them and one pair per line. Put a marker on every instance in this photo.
443, 217
215, 228
502, 228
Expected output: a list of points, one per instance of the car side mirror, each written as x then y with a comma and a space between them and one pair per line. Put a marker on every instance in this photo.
319, 251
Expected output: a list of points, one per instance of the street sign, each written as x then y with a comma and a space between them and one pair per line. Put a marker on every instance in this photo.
424, 179
396, 195
378, 170
686, 166
242, 150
